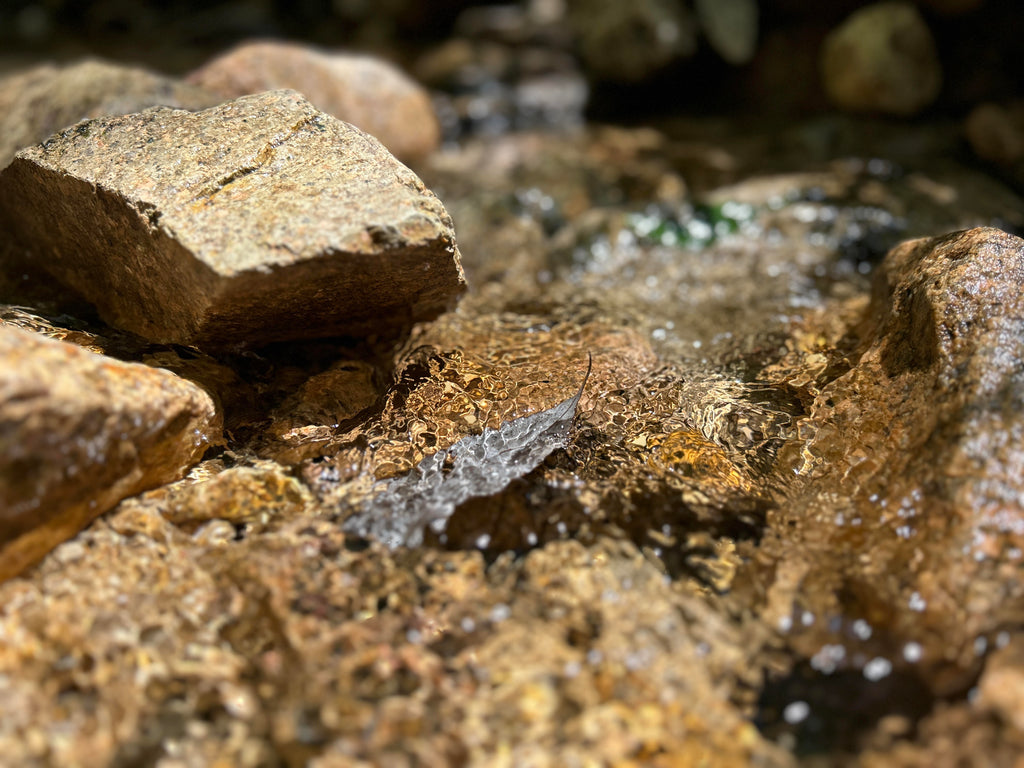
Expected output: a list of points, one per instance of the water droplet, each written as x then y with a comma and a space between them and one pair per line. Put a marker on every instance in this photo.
912, 652
796, 712
877, 668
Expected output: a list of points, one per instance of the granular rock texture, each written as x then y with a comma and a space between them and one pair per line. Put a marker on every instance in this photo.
294, 648
78, 433
780, 529
908, 493
363, 90
40, 101
256, 221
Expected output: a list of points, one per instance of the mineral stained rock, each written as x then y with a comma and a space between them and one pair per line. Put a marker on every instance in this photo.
78, 433
39, 101
882, 59
363, 90
259, 220
909, 495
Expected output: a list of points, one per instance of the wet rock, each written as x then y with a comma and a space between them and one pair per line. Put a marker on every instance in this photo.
40, 101
313, 413
79, 432
907, 497
882, 59
256, 221
628, 42
250, 496
294, 644
365, 91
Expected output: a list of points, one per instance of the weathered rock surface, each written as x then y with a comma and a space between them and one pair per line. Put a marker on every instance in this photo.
259, 220
363, 90
40, 101
882, 59
908, 497
78, 433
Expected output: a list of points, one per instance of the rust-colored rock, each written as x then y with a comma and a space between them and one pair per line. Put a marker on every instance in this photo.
363, 90
78, 433
882, 59
259, 220
37, 102
910, 486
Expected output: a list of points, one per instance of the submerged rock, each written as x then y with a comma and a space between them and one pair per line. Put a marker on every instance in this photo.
363, 90
904, 523
39, 101
259, 220
78, 433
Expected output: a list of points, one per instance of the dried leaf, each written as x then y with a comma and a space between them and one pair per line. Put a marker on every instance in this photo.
477, 465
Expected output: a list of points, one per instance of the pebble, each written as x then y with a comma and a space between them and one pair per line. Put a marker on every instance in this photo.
884, 59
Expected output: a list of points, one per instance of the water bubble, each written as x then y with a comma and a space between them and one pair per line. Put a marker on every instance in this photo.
861, 629
796, 712
877, 668
912, 652
828, 658
500, 613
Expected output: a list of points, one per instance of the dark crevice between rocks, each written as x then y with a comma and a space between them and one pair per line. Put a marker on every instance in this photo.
814, 713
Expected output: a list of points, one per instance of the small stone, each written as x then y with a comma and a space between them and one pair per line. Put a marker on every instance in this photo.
259, 220
365, 91
39, 101
731, 27
882, 59
78, 433
629, 42
996, 132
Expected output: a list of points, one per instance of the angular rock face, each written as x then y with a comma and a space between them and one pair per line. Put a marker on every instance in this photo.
78, 433
44, 99
362, 90
256, 221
